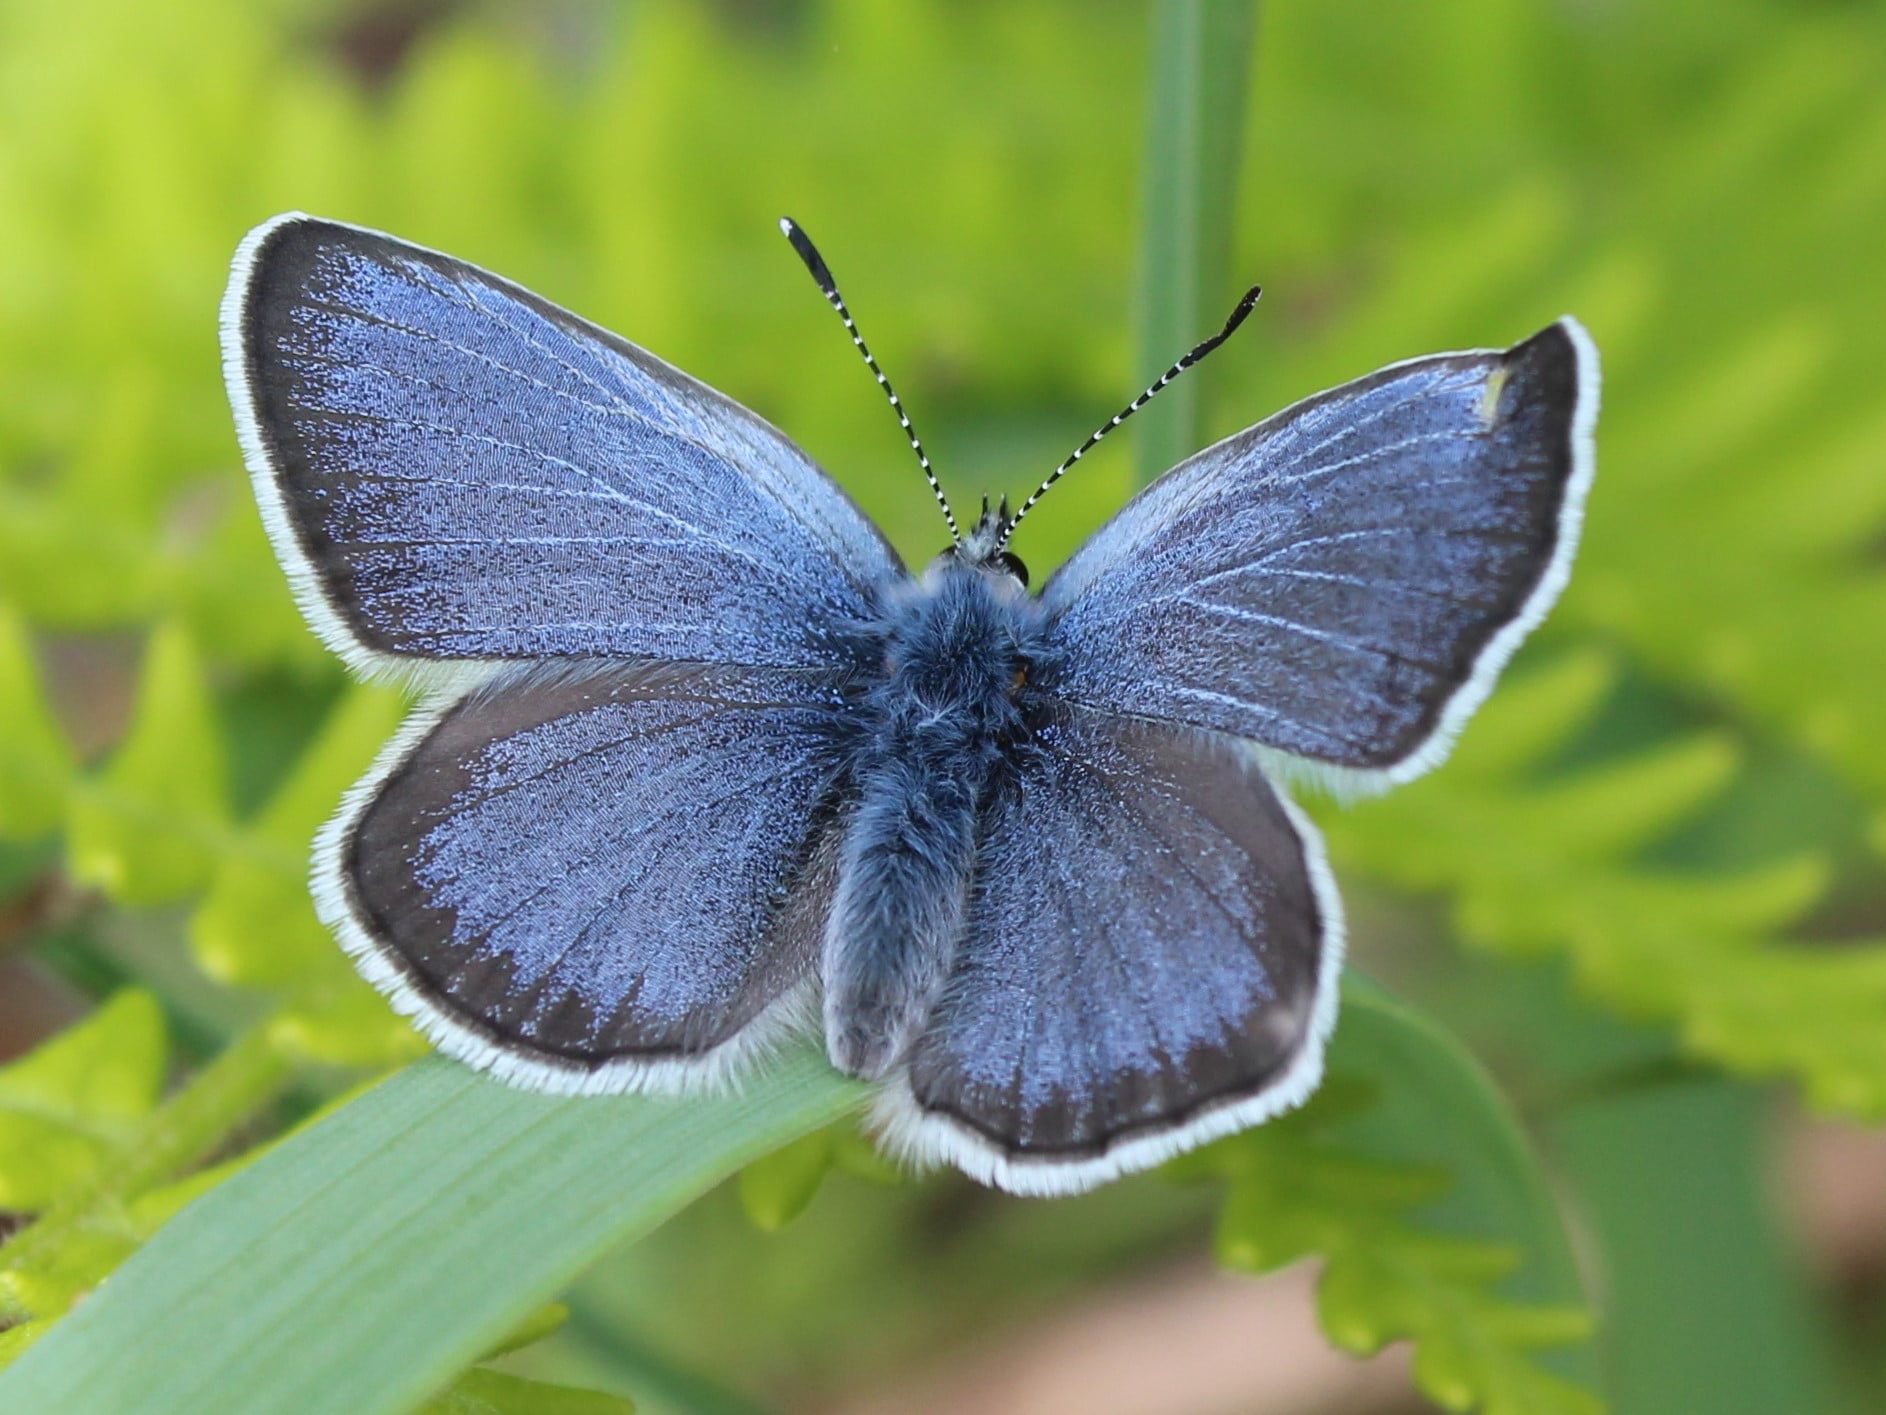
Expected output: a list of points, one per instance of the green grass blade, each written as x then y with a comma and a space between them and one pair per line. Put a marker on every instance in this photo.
1674, 1185
1201, 61
368, 1260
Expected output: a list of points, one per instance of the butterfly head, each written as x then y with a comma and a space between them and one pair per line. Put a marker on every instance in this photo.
983, 548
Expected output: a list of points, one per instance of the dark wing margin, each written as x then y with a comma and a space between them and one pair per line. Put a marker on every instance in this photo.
456, 472
1149, 961
1343, 583
596, 879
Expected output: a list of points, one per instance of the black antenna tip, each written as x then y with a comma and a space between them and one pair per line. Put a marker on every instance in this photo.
1238, 316
1186, 360
809, 253
1245, 306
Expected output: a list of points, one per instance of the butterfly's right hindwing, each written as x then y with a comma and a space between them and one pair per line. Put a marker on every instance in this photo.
596, 880
457, 472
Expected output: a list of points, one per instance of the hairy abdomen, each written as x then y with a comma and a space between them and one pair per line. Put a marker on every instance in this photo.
939, 726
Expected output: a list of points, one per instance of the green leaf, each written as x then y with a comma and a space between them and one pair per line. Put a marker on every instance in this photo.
854, 1154
1619, 807
67, 1108
775, 1190
1201, 61
45, 1274
1430, 1210
344, 1023
539, 1324
77, 1241
1677, 1185
147, 829
1540, 865
18, 1337
481, 1392
369, 1258
257, 927
35, 762
1673, 1175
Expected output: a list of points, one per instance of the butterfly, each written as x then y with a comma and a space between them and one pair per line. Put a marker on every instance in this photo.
699, 764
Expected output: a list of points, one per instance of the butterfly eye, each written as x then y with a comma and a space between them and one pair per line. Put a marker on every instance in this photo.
1013, 565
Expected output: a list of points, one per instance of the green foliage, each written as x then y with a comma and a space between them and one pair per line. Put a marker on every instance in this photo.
70, 1107
89, 1219
1200, 67
1410, 1176
256, 927
152, 825
776, 1189
482, 1392
145, 829
1699, 949
412, 1230
84, 1142
493, 1182
1385, 1280
35, 763
1480, 1282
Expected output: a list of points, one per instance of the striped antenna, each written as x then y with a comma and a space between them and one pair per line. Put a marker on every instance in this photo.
1197, 352
815, 263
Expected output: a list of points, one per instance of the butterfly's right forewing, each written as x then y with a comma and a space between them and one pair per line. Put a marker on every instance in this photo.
455, 471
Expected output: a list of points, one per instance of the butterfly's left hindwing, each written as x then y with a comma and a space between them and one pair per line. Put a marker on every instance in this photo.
457, 472
596, 880
1148, 960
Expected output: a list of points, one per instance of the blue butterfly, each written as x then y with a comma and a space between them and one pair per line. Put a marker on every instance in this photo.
699, 760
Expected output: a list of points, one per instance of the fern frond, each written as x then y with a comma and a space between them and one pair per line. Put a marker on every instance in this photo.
1539, 863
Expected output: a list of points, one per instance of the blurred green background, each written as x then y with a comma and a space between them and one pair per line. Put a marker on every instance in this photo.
1649, 893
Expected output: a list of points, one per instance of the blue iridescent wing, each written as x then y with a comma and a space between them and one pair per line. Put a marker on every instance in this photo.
598, 879
454, 470
1342, 583
1149, 960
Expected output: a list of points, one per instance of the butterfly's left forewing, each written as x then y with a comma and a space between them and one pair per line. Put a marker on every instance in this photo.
1148, 960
